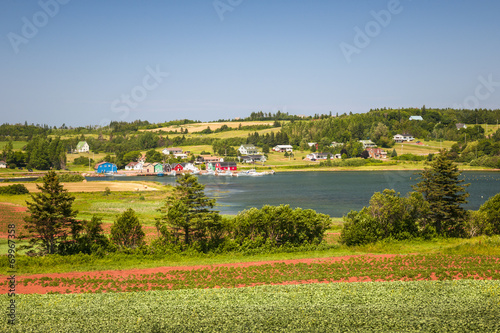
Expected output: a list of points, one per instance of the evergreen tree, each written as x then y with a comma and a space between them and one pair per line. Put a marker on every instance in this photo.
127, 230
186, 211
51, 218
394, 153
440, 186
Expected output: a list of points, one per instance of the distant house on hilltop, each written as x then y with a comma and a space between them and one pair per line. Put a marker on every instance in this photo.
283, 148
82, 147
247, 150
172, 150
416, 118
367, 143
460, 126
398, 138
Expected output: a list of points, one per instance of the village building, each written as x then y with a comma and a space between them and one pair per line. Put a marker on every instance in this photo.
148, 168
177, 167
318, 156
167, 167
367, 143
283, 148
181, 155
253, 158
460, 126
142, 159
400, 138
376, 153
224, 166
171, 150
134, 166
336, 144
208, 159
247, 149
105, 167
82, 147
158, 167
3, 165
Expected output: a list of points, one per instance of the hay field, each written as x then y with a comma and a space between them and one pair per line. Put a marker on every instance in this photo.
198, 127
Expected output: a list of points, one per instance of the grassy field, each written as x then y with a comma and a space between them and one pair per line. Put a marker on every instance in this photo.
16, 145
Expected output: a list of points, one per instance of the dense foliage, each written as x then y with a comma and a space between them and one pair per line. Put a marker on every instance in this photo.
14, 189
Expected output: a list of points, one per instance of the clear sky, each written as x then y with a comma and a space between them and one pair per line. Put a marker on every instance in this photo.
84, 62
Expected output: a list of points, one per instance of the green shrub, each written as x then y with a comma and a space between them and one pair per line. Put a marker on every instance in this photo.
14, 189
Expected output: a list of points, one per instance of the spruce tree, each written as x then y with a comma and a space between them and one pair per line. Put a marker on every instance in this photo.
441, 187
186, 210
127, 230
52, 218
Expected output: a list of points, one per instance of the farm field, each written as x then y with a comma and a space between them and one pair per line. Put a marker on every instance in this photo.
444, 306
198, 127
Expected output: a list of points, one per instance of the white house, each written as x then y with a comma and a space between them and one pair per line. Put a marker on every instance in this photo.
3, 165
368, 143
283, 148
318, 156
336, 144
247, 150
416, 118
82, 147
181, 155
172, 150
134, 166
398, 138
253, 158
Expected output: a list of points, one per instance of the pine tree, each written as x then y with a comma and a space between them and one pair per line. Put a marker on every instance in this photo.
127, 230
186, 210
52, 218
440, 186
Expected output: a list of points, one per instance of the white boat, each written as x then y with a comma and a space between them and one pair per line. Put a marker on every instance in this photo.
225, 173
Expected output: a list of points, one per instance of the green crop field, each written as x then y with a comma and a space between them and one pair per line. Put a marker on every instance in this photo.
431, 306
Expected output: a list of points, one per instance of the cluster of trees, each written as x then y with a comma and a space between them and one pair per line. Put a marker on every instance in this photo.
269, 139
187, 222
435, 209
46, 153
381, 124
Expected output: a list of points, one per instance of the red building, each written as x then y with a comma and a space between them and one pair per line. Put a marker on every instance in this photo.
223, 166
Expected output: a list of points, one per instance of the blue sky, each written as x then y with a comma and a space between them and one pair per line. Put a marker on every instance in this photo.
88, 62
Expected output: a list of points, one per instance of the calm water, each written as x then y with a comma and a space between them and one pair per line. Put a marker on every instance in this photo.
332, 193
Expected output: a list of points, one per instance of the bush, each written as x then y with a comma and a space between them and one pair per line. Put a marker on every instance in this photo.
279, 225
388, 216
491, 211
67, 178
14, 189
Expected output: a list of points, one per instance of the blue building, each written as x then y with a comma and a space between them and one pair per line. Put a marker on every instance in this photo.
105, 167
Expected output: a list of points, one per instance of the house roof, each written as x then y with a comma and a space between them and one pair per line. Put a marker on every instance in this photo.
227, 164
81, 144
132, 164
284, 146
248, 146
416, 118
3, 162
